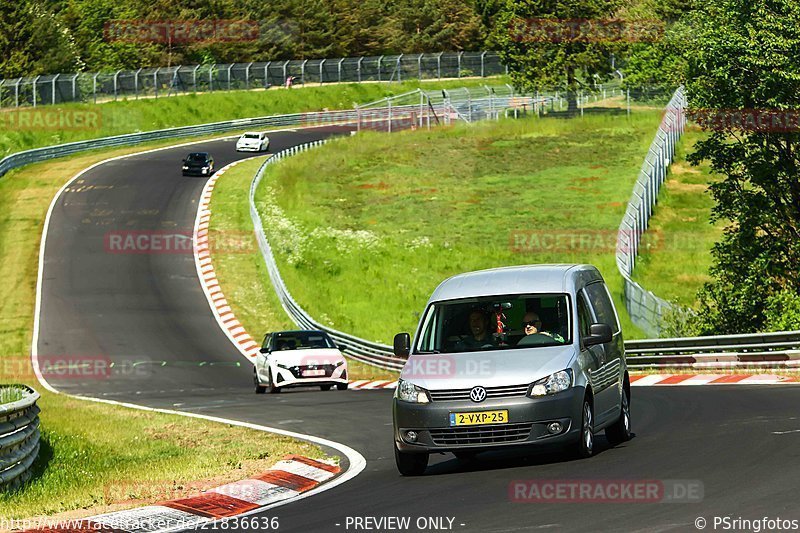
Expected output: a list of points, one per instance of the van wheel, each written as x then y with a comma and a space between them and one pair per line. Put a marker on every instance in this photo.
585, 445
325, 387
410, 464
341, 386
620, 431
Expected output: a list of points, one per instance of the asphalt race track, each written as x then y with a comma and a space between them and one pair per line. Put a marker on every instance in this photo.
147, 313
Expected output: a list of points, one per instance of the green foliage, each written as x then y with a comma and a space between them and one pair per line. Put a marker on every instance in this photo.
288, 29
744, 56
535, 60
783, 312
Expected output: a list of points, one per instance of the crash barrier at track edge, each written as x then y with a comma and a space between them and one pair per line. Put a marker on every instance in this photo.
359, 349
765, 350
489, 100
19, 439
645, 308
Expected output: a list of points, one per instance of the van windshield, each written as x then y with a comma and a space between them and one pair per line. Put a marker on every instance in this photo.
496, 323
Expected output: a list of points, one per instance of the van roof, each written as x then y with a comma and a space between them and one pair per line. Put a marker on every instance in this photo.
526, 279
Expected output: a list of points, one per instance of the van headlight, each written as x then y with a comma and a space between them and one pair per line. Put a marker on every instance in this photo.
408, 392
558, 382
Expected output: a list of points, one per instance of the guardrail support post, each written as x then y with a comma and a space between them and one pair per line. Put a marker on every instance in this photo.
229, 76
483, 65
35, 80
321, 71
116, 78
358, 68
155, 82
303, 72
339, 69
439, 65
379, 67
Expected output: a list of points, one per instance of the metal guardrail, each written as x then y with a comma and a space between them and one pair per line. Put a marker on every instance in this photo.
645, 308
362, 350
53, 89
36, 155
19, 439
772, 350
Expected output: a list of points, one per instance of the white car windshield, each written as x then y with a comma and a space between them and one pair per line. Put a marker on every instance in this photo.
250, 136
495, 323
301, 340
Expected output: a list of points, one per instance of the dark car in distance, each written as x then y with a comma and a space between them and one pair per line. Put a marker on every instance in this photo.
198, 164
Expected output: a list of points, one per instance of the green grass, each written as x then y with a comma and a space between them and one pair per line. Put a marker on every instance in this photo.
94, 456
10, 394
366, 227
242, 276
128, 116
676, 256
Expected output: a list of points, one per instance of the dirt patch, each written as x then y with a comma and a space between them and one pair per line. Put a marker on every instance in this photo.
381, 186
677, 186
683, 168
588, 180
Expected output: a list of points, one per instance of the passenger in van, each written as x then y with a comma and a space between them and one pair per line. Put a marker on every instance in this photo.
479, 332
532, 324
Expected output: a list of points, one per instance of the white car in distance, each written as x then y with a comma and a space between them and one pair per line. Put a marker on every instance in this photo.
253, 141
299, 359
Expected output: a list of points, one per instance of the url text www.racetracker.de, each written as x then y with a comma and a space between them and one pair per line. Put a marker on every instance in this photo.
756, 525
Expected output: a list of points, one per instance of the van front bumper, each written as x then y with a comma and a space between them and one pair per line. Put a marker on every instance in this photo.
528, 421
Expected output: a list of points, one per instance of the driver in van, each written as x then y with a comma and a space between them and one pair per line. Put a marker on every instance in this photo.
532, 324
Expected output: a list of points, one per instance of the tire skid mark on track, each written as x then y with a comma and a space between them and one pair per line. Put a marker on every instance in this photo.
287, 479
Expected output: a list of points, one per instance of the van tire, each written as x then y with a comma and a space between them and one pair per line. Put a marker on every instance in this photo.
620, 431
584, 447
410, 464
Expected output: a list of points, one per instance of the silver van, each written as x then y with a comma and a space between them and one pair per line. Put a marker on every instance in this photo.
517, 356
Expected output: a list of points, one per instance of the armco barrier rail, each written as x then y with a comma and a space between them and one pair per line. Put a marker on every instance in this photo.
19, 439
362, 350
645, 308
434, 106
297, 119
166, 81
759, 350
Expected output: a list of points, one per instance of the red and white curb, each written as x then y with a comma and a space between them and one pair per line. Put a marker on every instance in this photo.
288, 479
645, 380
372, 385
208, 278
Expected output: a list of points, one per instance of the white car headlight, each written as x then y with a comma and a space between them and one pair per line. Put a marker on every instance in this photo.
408, 392
558, 382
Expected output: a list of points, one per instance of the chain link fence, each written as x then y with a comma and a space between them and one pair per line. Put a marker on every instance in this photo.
168, 81
645, 308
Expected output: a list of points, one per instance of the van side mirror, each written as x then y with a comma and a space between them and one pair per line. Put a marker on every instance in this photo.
263, 350
402, 344
598, 334
342, 347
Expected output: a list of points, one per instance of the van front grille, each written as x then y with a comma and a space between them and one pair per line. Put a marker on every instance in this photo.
509, 391
478, 435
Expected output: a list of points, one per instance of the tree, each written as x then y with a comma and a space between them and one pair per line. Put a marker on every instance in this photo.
743, 85
552, 43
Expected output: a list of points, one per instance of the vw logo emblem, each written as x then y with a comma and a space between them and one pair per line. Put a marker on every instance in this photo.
477, 394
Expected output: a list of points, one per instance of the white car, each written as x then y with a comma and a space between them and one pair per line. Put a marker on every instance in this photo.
298, 359
253, 141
